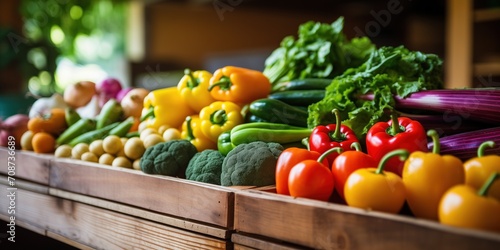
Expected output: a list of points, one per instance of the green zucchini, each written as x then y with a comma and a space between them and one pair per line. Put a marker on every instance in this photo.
302, 84
299, 97
276, 111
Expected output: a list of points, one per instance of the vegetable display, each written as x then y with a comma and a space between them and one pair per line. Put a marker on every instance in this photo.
388, 71
329, 119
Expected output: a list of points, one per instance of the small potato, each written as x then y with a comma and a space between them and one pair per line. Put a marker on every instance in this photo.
136, 164
96, 147
171, 134
26, 139
134, 148
63, 151
147, 132
162, 129
121, 161
78, 150
89, 156
112, 144
106, 159
152, 140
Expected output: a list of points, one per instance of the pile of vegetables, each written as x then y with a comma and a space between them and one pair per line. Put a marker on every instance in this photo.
329, 118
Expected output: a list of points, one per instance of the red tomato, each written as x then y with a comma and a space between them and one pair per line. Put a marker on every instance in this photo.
311, 179
346, 163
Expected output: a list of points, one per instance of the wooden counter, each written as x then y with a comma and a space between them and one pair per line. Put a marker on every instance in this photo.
103, 207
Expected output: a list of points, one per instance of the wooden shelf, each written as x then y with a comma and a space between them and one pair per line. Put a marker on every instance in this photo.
485, 15
488, 68
89, 204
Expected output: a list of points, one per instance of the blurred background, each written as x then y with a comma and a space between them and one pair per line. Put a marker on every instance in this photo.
47, 45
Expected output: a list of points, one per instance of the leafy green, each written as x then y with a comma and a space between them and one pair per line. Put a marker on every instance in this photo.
388, 71
320, 51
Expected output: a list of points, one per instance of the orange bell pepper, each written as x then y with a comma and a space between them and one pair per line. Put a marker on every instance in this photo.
238, 85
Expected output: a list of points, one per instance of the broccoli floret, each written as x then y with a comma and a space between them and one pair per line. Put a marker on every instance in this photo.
205, 166
168, 158
251, 164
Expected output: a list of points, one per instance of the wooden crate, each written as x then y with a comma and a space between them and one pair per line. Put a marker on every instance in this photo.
89, 224
323, 225
176, 197
29, 165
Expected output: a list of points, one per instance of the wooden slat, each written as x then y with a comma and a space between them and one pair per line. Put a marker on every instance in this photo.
173, 196
100, 228
141, 213
26, 185
484, 15
243, 242
459, 34
29, 165
323, 225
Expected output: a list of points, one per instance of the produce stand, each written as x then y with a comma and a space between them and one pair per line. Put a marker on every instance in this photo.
89, 205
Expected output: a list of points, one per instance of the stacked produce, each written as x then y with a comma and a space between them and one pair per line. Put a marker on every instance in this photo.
329, 118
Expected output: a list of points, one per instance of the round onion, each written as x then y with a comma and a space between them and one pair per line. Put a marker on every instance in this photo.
79, 94
133, 102
14, 126
107, 89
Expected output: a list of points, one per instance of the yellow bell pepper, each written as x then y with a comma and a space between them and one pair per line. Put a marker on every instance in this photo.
193, 87
219, 117
165, 107
191, 131
465, 206
479, 168
239, 85
427, 176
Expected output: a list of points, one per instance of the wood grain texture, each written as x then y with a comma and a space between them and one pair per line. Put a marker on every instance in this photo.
173, 196
29, 165
244, 242
144, 214
102, 229
322, 225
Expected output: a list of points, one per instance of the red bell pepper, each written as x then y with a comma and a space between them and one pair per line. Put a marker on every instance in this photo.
325, 137
289, 158
397, 133
346, 163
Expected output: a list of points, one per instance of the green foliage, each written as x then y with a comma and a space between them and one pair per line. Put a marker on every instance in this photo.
320, 51
388, 71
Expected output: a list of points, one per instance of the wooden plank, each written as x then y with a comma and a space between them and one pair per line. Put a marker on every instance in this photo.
244, 242
323, 225
100, 228
459, 37
141, 213
68, 241
26, 185
29, 165
173, 196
